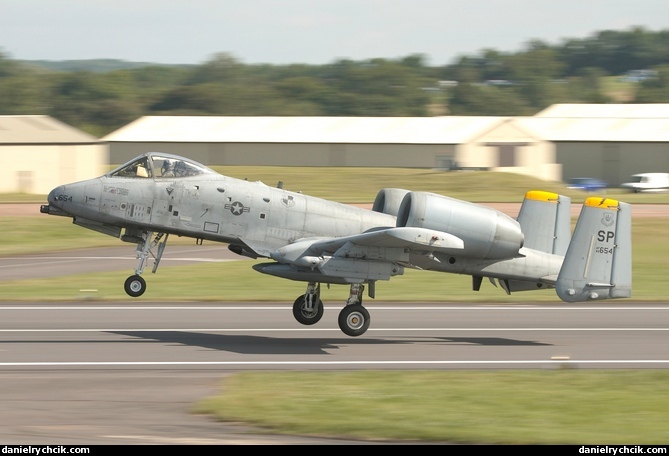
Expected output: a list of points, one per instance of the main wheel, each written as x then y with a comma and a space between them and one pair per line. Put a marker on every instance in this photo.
354, 320
306, 316
135, 286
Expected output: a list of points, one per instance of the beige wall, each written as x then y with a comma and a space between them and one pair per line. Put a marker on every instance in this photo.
37, 169
528, 154
535, 159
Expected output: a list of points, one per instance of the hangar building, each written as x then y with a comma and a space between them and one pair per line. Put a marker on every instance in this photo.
410, 142
40, 153
449, 142
606, 141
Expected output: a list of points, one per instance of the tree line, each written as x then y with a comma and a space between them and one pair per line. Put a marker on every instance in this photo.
630, 66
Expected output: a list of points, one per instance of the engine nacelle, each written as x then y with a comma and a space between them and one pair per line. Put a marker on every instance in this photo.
486, 232
388, 200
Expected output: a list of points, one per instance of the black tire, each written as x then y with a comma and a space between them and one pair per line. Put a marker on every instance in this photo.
135, 286
354, 320
304, 316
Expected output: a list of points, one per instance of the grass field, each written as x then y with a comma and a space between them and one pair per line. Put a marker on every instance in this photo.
561, 406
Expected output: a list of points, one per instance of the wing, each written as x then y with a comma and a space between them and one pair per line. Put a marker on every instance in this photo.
374, 255
416, 239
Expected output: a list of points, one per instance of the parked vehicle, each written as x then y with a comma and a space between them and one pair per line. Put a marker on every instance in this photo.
589, 184
648, 182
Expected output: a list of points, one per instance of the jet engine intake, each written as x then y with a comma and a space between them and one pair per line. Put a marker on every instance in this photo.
388, 200
486, 232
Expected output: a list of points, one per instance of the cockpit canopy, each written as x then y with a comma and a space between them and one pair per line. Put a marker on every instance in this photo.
157, 165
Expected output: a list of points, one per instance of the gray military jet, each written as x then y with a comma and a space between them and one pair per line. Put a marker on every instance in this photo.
318, 241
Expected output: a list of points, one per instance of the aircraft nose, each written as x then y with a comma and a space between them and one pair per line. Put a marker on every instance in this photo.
55, 202
53, 195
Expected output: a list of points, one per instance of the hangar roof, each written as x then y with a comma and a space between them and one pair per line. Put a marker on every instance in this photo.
40, 130
560, 122
602, 129
621, 110
313, 129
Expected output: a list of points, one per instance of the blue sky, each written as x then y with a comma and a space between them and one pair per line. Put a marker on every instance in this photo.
304, 31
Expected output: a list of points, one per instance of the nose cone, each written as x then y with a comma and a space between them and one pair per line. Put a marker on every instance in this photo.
56, 201
52, 198
78, 199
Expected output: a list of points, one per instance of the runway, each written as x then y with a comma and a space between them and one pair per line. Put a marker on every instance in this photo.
265, 336
117, 373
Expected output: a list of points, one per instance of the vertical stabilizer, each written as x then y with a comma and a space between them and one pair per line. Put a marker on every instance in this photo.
545, 219
598, 263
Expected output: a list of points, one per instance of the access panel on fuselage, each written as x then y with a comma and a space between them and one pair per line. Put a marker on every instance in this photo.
285, 221
242, 209
127, 199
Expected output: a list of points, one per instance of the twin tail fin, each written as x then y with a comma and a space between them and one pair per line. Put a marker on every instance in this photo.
598, 261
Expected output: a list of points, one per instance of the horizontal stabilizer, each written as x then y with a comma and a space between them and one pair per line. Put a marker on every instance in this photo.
598, 263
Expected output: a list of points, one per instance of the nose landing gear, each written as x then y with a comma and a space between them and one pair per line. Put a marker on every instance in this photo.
135, 285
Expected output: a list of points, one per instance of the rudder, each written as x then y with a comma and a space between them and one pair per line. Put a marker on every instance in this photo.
598, 262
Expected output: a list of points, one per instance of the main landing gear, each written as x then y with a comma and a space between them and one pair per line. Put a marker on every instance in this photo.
353, 319
135, 285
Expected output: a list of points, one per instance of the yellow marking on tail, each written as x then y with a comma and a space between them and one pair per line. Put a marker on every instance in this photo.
602, 203
540, 195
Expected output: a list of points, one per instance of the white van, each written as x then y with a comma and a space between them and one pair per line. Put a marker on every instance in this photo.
648, 182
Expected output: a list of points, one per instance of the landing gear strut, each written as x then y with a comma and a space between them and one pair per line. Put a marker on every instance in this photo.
353, 319
308, 308
135, 285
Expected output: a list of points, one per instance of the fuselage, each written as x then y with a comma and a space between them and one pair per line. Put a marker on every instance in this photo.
203, 204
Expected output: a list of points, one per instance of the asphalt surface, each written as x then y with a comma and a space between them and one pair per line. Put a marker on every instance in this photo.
118, 373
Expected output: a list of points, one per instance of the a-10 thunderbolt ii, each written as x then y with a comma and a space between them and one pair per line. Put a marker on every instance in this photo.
318, 241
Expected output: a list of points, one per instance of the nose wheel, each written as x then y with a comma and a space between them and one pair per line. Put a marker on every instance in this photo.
135, 285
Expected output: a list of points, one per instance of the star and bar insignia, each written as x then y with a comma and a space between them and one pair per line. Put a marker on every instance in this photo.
237, 208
